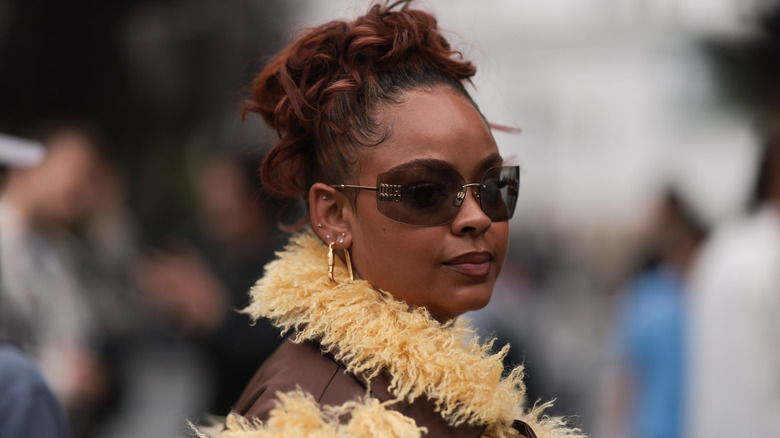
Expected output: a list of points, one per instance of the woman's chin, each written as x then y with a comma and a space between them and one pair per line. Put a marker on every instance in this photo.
466, 301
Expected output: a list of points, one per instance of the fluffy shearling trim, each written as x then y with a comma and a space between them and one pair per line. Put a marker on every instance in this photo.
298, 415
369, 332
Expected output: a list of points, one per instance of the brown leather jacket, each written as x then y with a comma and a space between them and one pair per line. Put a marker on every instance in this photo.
305, 366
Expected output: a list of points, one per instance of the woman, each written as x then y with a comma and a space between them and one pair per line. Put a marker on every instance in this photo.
408, 201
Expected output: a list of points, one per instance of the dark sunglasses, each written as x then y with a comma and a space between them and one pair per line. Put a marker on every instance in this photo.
431, 196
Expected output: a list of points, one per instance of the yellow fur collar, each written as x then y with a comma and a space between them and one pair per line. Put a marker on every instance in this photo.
369, 332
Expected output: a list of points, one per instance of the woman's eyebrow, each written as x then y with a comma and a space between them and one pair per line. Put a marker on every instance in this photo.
491, 160
431, 163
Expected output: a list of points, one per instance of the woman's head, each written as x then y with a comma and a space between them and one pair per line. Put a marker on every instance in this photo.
384, 95
321, 93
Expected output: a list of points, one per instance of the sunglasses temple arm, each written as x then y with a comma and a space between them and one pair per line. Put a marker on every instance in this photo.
348, 186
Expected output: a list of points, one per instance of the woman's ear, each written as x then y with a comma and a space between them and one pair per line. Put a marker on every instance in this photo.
328, 216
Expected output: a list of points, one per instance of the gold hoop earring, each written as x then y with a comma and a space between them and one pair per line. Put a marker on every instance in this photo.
349, 264
332, 262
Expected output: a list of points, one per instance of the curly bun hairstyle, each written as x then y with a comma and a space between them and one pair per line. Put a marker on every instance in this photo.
322, 91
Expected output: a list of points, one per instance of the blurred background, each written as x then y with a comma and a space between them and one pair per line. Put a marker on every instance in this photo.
643, 127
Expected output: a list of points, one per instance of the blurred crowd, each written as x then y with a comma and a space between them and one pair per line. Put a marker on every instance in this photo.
114, 324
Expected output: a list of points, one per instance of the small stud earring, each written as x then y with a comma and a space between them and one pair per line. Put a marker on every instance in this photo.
343, 234
341, 241
319, 224
327, 237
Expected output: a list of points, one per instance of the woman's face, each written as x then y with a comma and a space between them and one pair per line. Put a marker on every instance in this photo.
450, 268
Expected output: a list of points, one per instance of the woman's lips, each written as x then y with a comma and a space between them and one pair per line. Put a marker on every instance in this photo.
476, 264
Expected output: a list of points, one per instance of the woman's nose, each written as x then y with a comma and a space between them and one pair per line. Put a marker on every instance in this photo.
470, 217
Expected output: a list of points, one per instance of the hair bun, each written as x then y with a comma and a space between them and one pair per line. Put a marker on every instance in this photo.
320, 91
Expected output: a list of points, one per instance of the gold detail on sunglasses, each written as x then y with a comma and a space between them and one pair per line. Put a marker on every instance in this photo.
461, 196
390, 192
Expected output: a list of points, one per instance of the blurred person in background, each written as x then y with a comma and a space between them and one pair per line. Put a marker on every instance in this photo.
200, 287
110, 238
734, 343
240, 236
645, 388
44, 307
28, 408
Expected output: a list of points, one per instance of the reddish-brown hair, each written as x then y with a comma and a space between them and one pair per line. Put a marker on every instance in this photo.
321, 92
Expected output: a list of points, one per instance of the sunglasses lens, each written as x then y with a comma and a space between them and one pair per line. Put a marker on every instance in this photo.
419, 196
426, 196
498, 192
